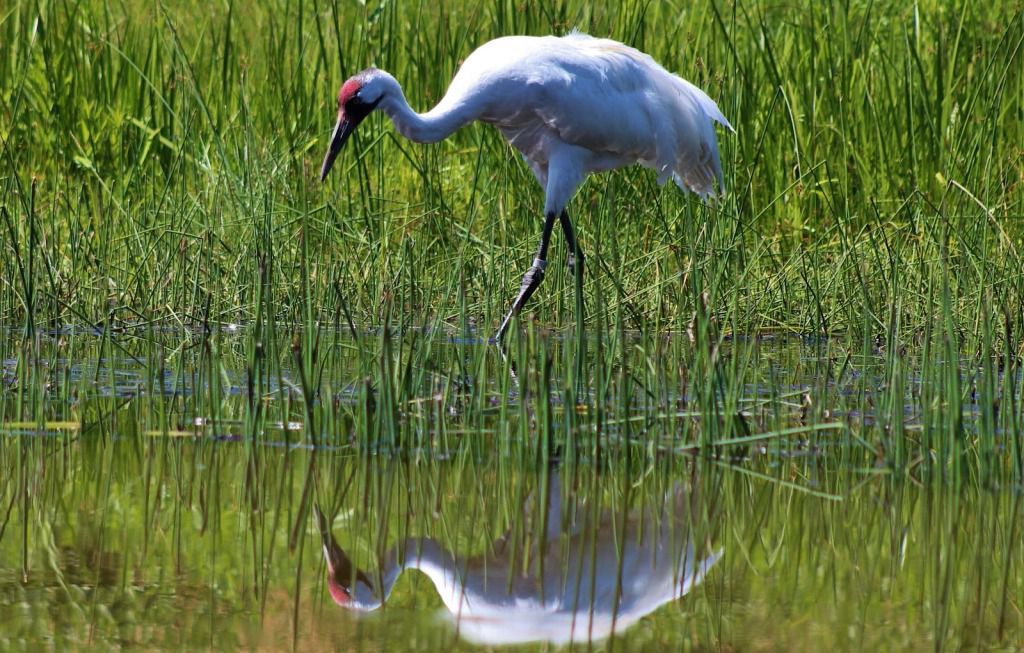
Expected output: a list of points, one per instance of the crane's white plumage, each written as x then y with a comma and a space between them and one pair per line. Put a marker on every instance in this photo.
571, 105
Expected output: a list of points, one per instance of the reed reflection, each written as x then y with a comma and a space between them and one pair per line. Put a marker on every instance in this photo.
572, 572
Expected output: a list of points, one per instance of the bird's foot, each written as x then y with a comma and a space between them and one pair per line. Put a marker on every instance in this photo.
572, 261
531, 280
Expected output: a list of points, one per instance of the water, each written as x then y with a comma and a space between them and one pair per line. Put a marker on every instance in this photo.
161, 487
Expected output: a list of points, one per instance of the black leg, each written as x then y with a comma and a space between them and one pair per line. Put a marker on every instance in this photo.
532, 278
575, 254
575, 263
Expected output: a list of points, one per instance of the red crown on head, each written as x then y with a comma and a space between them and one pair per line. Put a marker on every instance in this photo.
348, 89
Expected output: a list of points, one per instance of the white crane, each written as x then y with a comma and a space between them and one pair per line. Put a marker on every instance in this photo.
590, 574
571, 105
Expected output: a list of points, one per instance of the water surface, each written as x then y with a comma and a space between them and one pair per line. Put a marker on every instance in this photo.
161, 488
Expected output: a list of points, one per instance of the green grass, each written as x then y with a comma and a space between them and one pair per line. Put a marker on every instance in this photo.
161, 170
875, 177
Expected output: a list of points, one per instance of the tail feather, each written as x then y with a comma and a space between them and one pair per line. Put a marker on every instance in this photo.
709, 106
700, 171
702, 176
694, 574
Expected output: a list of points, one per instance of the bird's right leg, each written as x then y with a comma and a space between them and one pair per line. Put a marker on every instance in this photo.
575, 263
533, 276
575, 254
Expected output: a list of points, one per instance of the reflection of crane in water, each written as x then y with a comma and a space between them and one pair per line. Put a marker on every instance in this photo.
585, 580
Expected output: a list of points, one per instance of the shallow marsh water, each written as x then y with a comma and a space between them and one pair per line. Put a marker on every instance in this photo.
160, 487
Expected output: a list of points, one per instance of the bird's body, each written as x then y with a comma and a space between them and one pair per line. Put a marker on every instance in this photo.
571, 106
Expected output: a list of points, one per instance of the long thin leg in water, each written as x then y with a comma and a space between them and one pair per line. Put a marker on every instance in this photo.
532, 278
575, 254
575, 262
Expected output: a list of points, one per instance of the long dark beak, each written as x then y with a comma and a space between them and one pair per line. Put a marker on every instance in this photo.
342, 131
341, 572
337, 561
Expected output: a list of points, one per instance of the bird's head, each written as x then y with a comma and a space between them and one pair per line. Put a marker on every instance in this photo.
357, 98
349, 587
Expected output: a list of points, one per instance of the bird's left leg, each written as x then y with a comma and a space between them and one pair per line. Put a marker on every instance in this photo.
533, 276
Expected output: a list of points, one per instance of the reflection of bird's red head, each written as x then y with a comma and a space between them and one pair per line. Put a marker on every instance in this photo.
342, 576
341, 595
341, 573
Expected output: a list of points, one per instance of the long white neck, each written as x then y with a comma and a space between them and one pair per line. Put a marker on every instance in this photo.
433, 560
430, 127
